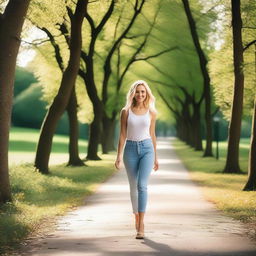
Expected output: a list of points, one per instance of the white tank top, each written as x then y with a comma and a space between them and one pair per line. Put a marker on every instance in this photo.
138, 126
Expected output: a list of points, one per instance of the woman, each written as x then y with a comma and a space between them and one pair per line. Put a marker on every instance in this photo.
137, 132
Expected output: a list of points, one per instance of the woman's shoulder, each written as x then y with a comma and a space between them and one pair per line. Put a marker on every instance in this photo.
152, 113
124, 112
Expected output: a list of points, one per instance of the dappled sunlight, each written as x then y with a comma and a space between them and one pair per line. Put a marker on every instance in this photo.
16, 158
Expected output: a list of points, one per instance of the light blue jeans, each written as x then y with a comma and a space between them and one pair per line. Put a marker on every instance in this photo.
138, 159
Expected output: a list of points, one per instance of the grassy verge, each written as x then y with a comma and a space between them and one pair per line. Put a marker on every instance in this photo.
225, 190
38, 199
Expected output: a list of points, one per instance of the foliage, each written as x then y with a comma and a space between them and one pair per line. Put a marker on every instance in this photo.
178, 67
23, 79
222, 71
28, 109
181, 66
48, 72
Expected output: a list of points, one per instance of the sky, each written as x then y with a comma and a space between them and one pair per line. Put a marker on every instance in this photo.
26, 52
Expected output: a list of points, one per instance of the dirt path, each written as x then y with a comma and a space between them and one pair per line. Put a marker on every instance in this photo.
179, 220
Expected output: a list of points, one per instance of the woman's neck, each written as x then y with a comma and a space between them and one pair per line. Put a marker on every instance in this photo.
139, 105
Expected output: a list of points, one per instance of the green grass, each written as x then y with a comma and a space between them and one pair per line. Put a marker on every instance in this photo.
38, 198
25, 140
225, 190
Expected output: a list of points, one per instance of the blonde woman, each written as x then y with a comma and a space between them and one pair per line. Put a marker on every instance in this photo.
137, 133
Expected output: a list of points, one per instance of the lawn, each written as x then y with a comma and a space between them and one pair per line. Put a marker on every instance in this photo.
38, 198
225, 190
23, 142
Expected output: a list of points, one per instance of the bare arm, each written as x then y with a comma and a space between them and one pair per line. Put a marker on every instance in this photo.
153, 137
122, 137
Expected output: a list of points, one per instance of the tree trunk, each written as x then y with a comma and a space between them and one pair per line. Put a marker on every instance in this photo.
206, 77
187, 122
232, 161
67, 84
108, 134
74, 159
95, 134
197, 127
251, 183
95, 127
11, 22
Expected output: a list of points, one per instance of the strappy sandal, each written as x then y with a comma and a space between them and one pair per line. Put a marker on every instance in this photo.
140, 235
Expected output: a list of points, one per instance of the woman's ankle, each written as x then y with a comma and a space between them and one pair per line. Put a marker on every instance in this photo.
141, 227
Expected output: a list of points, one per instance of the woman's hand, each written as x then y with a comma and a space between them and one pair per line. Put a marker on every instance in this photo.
156, 165
118, 163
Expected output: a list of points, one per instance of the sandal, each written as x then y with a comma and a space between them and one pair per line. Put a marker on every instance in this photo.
140, 234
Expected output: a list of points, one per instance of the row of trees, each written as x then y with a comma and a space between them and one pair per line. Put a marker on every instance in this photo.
92, 47
186, 106
238, 73
74, 57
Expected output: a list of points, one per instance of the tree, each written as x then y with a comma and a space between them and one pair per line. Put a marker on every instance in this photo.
251, 182
123, 63
88, 75
232, 160
74, 158
67, 84
205, 74
11, 22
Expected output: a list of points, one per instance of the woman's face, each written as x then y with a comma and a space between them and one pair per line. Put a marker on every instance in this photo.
140, 94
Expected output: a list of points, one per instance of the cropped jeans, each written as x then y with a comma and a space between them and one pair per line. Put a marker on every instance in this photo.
138, 159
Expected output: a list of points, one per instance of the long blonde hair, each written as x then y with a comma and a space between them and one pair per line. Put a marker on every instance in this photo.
149, 102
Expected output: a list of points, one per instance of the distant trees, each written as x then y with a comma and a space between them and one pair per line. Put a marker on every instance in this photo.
185, 87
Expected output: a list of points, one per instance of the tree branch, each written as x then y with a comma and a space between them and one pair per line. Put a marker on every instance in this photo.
55, 47
106, 17
168, 104
118, 22
34, 43
90, 20
158, 54
107, 65
248, 27
64, 31
249, 44
135, 36
215, 111
138, 50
